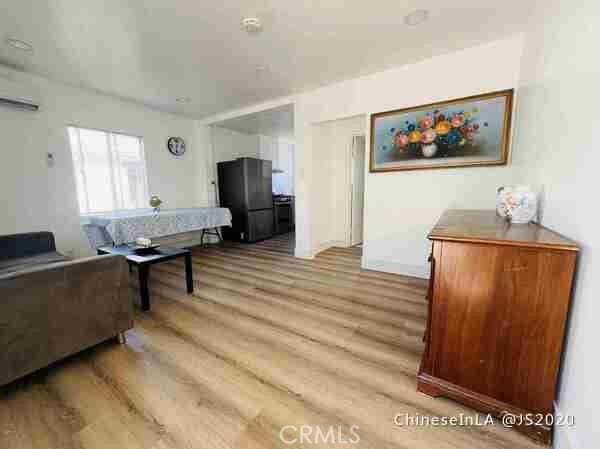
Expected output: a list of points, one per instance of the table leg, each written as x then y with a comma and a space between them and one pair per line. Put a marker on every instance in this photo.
189, 273
144, 293
219, 236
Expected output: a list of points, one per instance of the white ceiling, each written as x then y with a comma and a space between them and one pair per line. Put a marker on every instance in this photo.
153, 51
276, 122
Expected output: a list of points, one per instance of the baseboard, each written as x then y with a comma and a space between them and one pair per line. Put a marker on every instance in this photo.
418, 271
332, 243
303, 253
564, 437
322, 247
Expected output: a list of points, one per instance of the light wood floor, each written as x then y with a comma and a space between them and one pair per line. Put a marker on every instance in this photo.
283, 243
266, 341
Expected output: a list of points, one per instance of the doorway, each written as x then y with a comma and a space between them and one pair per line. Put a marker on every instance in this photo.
258, 199
357, 189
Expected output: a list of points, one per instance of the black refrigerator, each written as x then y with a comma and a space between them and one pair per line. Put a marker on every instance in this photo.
245, 188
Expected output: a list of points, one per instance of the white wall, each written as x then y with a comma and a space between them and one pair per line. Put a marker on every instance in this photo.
558, 124
38, 197
228, 144
281, 152
401, 207
284, 182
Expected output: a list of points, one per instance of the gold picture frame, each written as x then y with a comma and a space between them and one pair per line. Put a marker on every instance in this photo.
463, 132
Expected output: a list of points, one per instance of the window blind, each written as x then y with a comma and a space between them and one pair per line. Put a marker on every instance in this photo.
110, 170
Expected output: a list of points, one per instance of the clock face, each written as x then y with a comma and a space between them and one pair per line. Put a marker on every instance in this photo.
176, 146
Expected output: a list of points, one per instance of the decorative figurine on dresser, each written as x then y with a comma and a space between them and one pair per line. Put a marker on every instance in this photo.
498, 303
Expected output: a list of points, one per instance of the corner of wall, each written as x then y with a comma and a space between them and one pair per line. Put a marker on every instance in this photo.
417, 271
303, 253
564, 437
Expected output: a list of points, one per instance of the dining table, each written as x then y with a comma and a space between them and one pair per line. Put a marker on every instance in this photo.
127, 226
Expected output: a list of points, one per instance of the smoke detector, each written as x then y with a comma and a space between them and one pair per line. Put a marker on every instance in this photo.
416, 17
252, 25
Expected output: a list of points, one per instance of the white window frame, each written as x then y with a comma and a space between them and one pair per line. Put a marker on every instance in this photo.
110, 145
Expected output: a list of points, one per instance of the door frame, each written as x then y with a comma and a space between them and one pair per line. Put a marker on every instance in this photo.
350, 186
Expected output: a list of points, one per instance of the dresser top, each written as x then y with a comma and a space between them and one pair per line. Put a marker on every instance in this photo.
485, 226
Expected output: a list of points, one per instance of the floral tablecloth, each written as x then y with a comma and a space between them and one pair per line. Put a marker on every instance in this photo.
126, 226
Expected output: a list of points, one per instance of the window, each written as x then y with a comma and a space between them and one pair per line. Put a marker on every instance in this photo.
110, 170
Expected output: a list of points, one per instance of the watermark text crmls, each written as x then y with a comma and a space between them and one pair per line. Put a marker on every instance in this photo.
307, 434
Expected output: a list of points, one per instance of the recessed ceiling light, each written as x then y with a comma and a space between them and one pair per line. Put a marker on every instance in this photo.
252, 25
183, 100
416, 17
19, 44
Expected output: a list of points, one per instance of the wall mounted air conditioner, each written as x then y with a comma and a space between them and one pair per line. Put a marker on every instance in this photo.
17, 95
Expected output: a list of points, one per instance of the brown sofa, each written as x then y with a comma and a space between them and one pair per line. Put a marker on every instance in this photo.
51, 308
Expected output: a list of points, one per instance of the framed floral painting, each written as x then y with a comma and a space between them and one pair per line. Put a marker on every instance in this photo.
464, 132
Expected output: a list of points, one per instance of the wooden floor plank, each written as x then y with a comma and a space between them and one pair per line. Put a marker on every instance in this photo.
337, 336
271, 281
412, 319
37, 418
346, 275
272, 272
364, 284
320, 262
405, 330
317, 385
76, 382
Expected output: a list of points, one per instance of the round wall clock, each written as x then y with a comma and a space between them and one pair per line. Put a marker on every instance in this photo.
176, 146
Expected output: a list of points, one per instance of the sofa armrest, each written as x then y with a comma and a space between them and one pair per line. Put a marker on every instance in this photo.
53, 311
26, 245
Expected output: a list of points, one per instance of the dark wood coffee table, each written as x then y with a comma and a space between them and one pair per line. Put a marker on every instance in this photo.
143, 262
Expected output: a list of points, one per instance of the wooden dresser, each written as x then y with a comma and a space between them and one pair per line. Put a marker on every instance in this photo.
498, 303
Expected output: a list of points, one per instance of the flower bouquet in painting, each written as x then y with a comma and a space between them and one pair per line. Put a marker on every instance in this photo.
471, 131
436, 135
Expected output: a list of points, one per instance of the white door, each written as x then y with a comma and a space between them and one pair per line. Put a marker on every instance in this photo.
358, 189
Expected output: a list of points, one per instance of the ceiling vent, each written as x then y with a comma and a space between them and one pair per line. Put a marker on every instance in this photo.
16, 95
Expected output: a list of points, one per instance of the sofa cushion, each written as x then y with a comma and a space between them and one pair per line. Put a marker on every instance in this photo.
26, 245
22, 263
